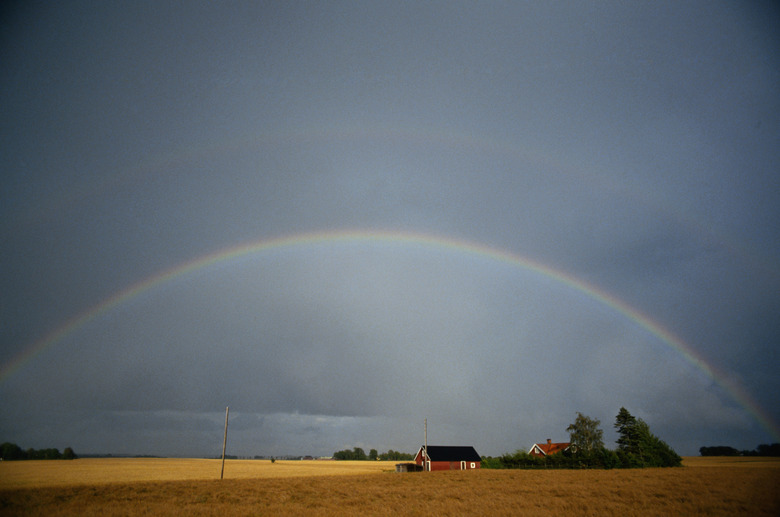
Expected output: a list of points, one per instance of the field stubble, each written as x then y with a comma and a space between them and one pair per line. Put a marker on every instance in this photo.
338, 488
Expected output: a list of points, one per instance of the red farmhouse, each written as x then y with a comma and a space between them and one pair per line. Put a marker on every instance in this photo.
444, 457
547, 449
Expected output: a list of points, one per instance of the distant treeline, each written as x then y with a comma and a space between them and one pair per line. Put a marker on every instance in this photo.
722, 450
11, 451
359, 454
109, 455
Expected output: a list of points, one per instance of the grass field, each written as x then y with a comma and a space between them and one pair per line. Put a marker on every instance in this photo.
705, 486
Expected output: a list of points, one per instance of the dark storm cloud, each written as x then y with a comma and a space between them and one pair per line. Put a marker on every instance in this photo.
631, 146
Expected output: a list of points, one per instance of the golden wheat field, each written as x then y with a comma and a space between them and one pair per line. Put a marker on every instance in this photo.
705, 486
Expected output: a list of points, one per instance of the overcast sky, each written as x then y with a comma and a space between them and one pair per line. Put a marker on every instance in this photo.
633, 147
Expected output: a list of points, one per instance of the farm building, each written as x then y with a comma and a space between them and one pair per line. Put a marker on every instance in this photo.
547, 449
446, 457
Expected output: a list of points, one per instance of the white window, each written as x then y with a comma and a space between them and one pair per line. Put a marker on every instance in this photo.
473, 465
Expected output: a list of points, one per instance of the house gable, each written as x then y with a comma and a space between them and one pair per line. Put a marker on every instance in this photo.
546, 449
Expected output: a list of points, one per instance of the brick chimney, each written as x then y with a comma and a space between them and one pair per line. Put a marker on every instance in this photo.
549, 441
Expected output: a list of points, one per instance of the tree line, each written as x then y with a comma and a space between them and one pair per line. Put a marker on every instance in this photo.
11, 451
358, 453
764, 449
637, 448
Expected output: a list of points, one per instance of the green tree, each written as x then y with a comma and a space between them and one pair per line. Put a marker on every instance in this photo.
11, 451
345, 454
355, 454
766, 449
628, 432
373, 454
359, 453
392, 455
638, 447
68, 454
52, 454
719, 450
585, 435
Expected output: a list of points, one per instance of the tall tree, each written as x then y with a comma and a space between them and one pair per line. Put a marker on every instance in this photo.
628, 432
640, 447
585, 434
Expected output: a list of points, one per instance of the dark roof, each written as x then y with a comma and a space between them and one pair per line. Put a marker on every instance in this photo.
452, 453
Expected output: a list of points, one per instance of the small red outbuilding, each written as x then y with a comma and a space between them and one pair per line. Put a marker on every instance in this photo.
448, 457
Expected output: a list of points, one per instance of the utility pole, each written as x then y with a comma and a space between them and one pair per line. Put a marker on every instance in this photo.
224, 443
426, 462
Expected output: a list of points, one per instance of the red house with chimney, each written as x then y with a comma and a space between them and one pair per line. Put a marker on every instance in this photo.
446, 457
549, 448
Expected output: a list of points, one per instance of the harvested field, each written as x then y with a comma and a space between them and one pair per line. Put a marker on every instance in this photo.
90, 471
732, 461
752, 489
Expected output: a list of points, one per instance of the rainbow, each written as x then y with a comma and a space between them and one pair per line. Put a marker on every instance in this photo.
737, 392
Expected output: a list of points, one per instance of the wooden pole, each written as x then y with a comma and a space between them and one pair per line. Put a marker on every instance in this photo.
425, 449
224, 443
